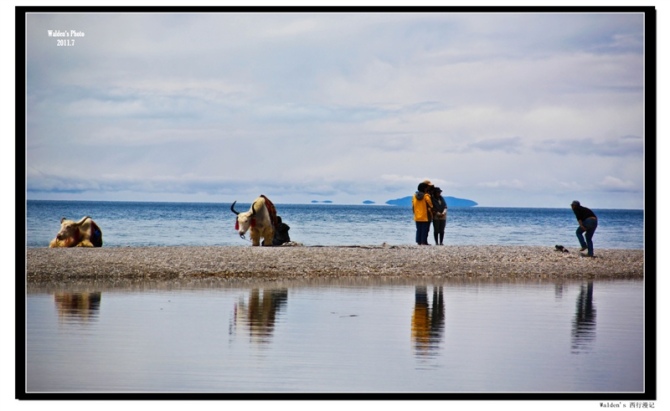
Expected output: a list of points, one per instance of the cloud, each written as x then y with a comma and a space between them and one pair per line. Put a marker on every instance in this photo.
117, 183
610, 183
513, 184
625, 146
507, 145
349, 106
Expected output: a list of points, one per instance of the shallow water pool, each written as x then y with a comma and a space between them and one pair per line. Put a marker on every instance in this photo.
455, 337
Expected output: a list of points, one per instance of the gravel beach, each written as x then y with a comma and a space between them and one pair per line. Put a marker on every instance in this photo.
229, 264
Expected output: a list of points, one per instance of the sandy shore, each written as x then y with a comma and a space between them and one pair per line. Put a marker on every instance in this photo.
45, 266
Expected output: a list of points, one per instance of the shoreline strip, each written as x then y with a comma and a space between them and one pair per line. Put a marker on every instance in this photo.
312, 262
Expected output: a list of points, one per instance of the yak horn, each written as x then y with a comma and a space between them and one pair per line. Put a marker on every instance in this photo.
80, 222
253, 210
232, 207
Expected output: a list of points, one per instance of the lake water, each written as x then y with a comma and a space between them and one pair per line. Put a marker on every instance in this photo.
336, 337
194, 224
340, 337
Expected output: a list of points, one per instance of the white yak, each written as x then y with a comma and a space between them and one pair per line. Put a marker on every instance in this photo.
260, 219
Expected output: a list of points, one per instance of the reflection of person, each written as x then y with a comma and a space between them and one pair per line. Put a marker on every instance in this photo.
584, 324
427, 323
437, 313
588, 222
421, 320
281, 233
439, 215
421, 206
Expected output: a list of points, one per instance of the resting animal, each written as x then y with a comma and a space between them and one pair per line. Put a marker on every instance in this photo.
258, 219
83, 233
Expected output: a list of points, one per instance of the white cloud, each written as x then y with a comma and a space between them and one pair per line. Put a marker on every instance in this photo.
349, 106
514, 184
613, 183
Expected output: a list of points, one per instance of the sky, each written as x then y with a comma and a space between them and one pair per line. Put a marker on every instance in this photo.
505, 109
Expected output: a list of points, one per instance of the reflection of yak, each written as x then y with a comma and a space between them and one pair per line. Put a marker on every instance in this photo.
427, 323
260, 314
79, 306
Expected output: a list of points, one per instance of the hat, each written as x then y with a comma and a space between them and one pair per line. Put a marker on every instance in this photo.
438, 189
427, 182
575, 203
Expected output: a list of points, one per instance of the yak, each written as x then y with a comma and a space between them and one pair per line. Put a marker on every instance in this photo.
83, 233
261, 219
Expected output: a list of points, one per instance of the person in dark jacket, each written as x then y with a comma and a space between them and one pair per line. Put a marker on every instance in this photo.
588, 222
281, 233
439, 215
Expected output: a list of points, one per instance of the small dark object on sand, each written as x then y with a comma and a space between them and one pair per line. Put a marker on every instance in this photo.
561, 249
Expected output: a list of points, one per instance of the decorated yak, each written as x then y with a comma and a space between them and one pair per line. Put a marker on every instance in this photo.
83, 233
260, 218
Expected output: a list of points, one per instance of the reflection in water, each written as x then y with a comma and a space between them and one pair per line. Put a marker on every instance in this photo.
427, 323
260, 313
501, 337
80, 307
584, 324
558, 290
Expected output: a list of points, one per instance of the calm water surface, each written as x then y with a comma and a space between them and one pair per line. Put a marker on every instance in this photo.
134, 224
340, 337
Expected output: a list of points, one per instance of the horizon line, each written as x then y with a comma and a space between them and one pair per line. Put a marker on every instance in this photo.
321, 203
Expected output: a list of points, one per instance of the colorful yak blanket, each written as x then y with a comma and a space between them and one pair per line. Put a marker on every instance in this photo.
272, 210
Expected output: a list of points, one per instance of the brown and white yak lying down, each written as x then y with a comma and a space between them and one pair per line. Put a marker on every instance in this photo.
260, 219
83, 233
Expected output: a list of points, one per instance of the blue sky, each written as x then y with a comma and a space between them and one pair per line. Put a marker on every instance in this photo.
506, 109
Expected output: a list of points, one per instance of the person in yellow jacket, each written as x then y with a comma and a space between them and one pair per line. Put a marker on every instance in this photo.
422, 207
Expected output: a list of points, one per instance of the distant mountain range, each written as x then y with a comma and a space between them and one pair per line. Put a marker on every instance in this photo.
451, 202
